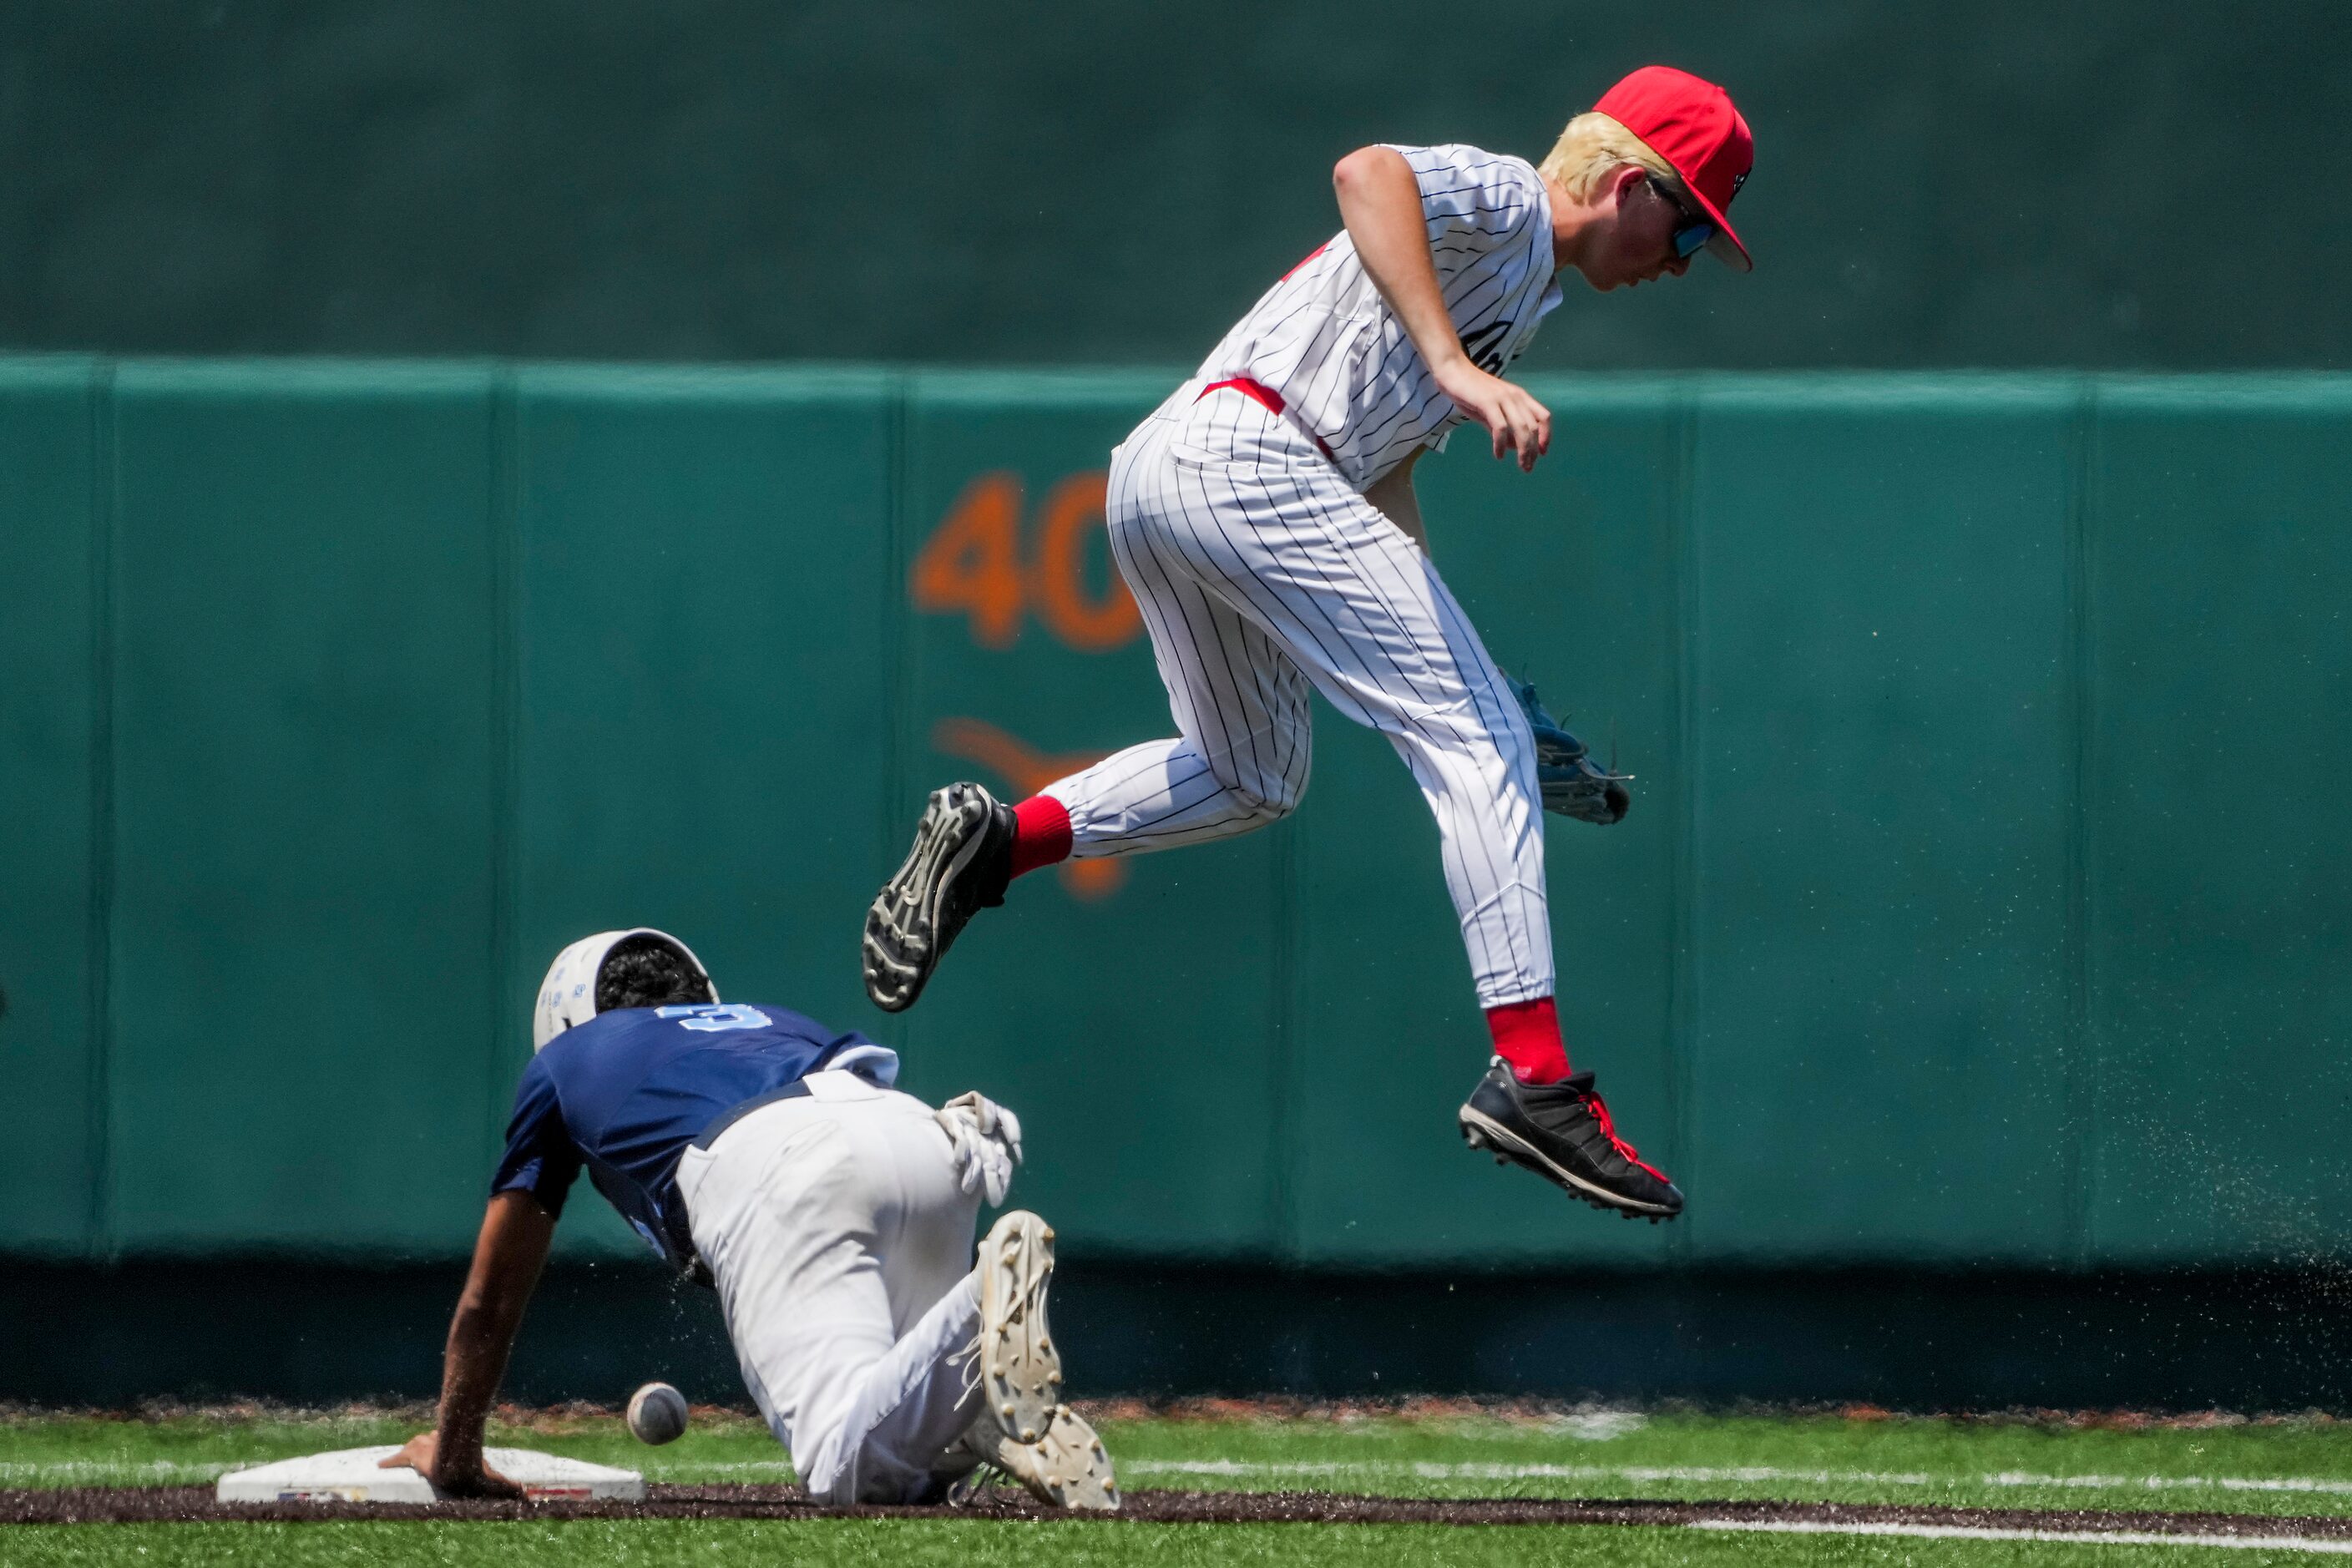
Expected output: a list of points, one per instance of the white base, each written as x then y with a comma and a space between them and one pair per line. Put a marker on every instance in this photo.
352, 1475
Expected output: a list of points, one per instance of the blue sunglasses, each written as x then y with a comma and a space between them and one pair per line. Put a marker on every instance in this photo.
1692, 233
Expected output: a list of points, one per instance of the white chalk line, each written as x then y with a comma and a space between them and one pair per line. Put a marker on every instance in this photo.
1994, 1532
1718, 1476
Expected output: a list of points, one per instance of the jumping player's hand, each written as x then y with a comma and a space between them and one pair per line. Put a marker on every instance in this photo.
1381, 202
422, 1454
1515, 419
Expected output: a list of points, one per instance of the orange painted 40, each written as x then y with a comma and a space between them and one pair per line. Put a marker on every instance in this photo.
973, 564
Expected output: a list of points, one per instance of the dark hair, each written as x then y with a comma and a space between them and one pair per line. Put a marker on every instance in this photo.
646, 971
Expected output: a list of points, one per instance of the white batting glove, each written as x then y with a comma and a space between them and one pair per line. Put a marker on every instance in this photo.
984, 1142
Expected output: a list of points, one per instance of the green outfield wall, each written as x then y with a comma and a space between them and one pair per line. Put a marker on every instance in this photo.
1981, 902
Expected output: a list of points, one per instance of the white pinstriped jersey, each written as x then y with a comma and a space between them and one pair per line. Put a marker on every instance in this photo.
1324, 340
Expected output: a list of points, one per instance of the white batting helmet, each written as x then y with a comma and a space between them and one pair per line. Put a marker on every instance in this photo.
568, 995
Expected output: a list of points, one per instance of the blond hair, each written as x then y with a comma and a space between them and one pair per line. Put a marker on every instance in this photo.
1592, 147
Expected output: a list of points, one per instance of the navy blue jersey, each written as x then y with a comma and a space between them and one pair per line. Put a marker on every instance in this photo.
625, 1093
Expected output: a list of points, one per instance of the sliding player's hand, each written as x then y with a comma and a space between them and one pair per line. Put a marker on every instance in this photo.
984, 1143
423, 1454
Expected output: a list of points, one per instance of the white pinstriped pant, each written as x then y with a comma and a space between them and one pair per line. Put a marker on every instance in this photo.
1260, 571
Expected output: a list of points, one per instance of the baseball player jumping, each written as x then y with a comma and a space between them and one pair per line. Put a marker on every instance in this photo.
759, 1152
1264, 518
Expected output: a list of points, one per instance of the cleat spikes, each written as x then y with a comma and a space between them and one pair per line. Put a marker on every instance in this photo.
1024, 1369
959, 865
1065, 1466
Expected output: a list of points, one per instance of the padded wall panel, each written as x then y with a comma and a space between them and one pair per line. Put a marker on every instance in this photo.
1882, 779
705, 651
2221, 908
52, 715
302, 914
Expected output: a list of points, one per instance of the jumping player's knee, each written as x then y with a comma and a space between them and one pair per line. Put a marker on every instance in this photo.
1258, 802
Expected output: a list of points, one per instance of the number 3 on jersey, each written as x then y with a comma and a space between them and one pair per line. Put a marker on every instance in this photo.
709, 1018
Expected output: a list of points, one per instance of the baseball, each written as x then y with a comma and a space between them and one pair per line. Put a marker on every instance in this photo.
656, 1414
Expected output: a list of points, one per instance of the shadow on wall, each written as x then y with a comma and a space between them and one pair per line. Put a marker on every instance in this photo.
1903, 1339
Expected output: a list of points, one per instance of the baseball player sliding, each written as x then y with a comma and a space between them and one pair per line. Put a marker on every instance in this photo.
760, 1152
1264, 518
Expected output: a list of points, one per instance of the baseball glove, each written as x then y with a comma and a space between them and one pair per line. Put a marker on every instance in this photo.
1574, 784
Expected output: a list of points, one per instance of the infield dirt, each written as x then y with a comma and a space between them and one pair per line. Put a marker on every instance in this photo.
108, 1505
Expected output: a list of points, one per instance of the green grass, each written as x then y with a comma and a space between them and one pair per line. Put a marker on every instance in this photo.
928, 1544
2278, 1468
2296, 1467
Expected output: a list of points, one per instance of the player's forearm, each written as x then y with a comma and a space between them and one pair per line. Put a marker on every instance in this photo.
481, 1338
1379, 202
507, 1258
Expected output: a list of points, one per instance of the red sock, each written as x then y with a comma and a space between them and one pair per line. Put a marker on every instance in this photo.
1040, 835
1527, 1035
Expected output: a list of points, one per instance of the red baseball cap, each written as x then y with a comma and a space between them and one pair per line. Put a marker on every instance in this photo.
1690, 122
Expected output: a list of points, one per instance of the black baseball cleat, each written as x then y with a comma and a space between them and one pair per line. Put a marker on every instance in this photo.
1562, 1132
961, 863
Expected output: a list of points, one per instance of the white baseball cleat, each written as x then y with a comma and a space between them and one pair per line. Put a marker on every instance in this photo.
1025, 1430
1021, 1372
1065, 1468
